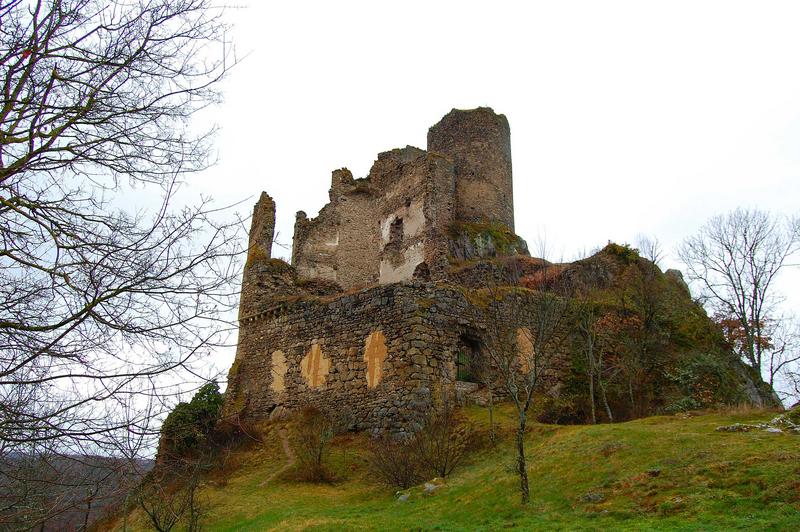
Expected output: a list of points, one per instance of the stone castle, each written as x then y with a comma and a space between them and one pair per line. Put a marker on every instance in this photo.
369, 321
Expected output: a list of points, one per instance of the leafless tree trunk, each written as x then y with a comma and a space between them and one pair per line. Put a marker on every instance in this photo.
604, 398
490, 407
591, 344
528, 330
586, 320
105, 305
784, 351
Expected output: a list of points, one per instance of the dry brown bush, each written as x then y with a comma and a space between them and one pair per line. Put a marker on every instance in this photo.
313, 430
394, 462
443, 441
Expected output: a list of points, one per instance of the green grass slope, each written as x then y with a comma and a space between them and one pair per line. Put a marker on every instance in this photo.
659, 473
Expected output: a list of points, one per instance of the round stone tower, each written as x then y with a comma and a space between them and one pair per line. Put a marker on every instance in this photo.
479, 142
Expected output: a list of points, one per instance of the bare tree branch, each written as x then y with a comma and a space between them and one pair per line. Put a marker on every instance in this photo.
106, 309
735, 259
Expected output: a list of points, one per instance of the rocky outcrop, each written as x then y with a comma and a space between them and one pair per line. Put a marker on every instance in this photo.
470, 241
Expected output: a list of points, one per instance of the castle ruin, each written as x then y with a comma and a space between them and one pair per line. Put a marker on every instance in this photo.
392, 225
370, 321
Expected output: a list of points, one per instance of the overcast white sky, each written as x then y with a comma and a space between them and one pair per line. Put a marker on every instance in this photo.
626, 117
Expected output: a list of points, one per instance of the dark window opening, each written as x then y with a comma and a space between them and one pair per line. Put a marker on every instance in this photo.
396, 232
468, 359
422, 272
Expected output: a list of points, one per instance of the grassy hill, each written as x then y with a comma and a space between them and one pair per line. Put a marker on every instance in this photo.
664, 473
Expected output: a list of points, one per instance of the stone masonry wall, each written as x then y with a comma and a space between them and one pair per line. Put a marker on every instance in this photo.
380, 229
373, 359
479, 142
376, 360
315, 244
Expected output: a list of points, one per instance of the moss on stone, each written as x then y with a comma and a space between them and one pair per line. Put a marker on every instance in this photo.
258, 255
425, 302
622, 251
319, 287
234, 370
504, 240
483, 297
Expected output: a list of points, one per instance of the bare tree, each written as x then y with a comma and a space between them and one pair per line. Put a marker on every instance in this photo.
169, 495
527, 333
735, 259
313, 431
590, 345
650, 248
394, 462
441, 444
784, 349
793, 382
105, 307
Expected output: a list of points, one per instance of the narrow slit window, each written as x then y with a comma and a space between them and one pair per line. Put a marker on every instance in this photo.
396, 232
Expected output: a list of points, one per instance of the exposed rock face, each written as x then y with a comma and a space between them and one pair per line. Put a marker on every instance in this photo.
470, 241
788, 422
677, 277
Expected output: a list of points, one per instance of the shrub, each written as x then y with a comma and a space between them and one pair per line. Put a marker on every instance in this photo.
313, 431
168, 497
394, 462
624, 252
442, 443
188, 427
543, 279
702, 380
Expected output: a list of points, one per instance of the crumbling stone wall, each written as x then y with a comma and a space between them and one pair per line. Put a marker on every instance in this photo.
378, 359
382, 228
259, 274
315, 244
393, 224
373, 359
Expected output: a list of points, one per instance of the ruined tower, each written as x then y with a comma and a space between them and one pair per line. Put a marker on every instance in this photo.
479, 143
396, 223
259, 251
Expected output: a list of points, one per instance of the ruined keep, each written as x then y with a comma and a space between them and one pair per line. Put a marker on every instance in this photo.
392, 225
364, 321
375, 318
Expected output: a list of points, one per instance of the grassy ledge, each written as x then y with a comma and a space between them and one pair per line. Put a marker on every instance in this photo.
658, 473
